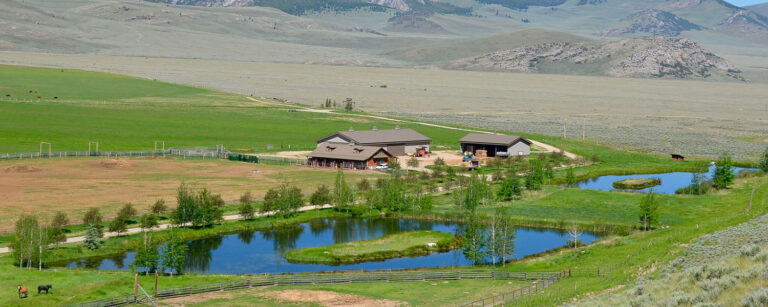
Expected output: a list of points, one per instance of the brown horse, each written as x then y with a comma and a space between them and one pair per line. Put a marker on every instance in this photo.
22, 290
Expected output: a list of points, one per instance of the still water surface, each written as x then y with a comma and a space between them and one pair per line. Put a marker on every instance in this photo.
263, 251
670, 182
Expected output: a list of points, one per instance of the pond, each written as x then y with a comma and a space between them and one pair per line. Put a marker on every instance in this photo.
263, 251
670, 182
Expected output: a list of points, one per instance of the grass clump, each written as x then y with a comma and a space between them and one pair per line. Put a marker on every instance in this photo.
408, 244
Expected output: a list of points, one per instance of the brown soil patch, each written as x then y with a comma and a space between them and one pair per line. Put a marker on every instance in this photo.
73, 185
21, 169
121, 163
331, 299
199, 298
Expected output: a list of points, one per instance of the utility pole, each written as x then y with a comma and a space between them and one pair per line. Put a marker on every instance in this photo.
583, 129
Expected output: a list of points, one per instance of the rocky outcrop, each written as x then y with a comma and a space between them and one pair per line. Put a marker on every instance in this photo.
641, 57
654, 22
399, 5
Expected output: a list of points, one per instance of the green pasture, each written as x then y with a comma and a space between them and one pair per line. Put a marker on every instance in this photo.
125, 113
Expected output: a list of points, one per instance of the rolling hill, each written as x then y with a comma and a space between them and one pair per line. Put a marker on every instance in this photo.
761, 9
388, 33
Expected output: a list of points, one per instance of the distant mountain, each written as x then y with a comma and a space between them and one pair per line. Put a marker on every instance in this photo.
639, 57
761, 9
745, 21
653, 22
302, 7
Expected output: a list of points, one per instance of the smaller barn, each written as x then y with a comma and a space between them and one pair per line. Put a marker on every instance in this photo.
495, 145
343, 155
678, 157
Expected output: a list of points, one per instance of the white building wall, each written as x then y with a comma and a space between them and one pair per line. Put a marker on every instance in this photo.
519, 149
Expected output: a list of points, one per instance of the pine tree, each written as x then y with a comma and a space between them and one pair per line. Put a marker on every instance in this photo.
92, 238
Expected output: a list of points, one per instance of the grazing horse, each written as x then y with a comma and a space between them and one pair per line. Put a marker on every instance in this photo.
45, 288
22, 290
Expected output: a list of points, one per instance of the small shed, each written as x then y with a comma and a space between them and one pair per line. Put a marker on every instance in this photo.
493, 145
678, 157
343, 155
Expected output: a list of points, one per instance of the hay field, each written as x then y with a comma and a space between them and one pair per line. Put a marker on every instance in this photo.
43, 186
691, 117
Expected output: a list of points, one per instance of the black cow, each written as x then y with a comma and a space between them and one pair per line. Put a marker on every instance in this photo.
45, 288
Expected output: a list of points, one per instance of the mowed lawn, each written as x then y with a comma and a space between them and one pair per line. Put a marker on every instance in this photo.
125, 113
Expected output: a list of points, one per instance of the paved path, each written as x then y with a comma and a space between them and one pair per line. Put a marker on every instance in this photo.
4, 250
548, 147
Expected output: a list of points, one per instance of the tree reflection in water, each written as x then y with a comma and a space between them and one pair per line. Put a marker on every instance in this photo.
199, 253
283, 238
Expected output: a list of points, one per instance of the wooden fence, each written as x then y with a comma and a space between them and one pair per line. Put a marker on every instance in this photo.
326, 278
502, 298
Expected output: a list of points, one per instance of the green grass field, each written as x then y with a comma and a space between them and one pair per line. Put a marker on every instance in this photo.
387, 247
185, 116
124, 113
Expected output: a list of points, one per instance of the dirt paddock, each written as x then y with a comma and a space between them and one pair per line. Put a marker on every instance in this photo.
330, 299
73, 185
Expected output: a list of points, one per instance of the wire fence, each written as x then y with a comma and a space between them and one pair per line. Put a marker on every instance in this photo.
326, 278
180, 153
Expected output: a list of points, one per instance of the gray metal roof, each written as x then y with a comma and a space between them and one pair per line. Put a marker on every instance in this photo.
349, 152
391, 136
493, 139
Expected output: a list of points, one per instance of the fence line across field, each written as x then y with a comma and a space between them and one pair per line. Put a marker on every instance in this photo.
328, 278
180, 153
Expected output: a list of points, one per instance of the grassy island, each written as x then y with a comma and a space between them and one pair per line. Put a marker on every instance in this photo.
407, 244
636, 183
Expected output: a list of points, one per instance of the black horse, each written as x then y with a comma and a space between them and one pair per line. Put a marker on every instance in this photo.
45, 288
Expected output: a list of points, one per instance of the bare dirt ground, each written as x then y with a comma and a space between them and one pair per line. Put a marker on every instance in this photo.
689, 117
331, 299
73, 185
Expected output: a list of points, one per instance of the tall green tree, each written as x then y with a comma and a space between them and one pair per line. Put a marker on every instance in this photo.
159, 207
343, 196
699, 183
764, 161
148, 221
93, 217
58, 224
118, 225
724, 175
147, 256
510, 188
246, 211
570, 177
174, 255
127, 212
535, 178
501, 237
474, 241
649, 211
290, 200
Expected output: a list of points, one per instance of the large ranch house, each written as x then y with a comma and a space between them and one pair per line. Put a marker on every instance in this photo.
495, 145
341, 155
398, 142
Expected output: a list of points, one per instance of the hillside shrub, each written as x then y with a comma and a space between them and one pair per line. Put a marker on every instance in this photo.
749, 250
758, 298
